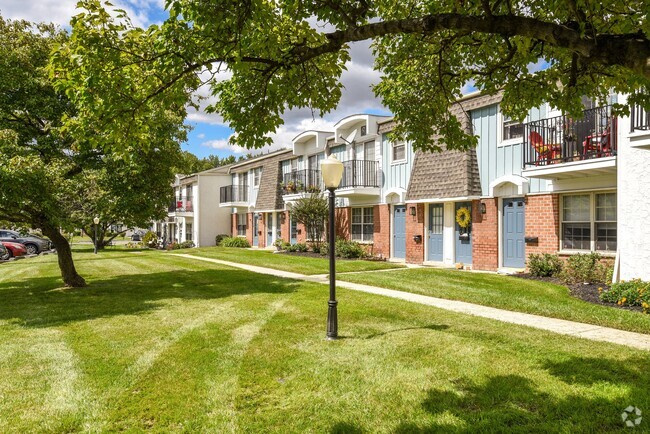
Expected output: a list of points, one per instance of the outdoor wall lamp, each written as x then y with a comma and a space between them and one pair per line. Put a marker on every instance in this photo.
483, 208
412, 211
332, 171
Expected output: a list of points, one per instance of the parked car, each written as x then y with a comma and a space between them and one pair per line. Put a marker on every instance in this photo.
33, 243
3, 253
13, 250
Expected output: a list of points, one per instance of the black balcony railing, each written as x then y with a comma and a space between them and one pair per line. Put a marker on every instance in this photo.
360, 173
301, 181
639, 119
233, 193
562, 139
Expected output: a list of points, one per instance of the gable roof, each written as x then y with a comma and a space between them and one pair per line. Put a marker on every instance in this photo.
269, 195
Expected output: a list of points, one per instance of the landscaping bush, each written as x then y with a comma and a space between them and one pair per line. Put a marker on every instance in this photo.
544, 265
325, 249
187, 244
349, 249
234, 242
631, 293
586, 268
150, 239
281, 244
298, 247
219, 238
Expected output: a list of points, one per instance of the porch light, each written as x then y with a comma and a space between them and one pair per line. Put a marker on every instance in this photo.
332, 171
412, 211
483, 209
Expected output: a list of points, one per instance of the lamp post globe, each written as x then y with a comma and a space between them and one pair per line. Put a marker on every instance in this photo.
96, 221
332, 171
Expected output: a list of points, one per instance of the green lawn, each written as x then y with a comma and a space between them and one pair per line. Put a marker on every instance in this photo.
284, 262
165, 344
511, 293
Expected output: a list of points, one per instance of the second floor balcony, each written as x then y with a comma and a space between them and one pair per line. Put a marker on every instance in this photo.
360, 177
233, 195
302, 181
181, 205
555, 147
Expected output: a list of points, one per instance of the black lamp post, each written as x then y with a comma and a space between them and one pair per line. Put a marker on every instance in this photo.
96, 221
332, 171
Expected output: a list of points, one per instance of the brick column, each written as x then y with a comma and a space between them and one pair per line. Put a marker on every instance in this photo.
343, 222
233, 225
286, 226
381, 234
415, 226
301, 236
249, 228
485, 235
261, 225
543, 222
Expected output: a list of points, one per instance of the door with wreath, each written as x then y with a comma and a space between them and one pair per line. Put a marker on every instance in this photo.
463, 235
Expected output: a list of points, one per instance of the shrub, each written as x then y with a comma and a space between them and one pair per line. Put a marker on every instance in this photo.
234, 242
312, 211
281, 244
187, 244
544, 265
325, 249
585, 268
631, 293
349, 249
150, 239
298, 247
219, 238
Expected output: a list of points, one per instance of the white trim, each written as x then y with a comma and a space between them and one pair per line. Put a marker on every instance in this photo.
392, 153
522, 184
592, 223
399, 191
508, 142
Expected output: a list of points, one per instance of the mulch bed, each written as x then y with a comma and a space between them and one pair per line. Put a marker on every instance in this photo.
318, 255
588, 292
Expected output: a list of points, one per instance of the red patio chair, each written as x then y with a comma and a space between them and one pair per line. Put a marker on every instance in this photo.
545, 153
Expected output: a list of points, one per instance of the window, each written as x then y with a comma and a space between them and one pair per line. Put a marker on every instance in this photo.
363, 224
512, 129
257, 174
399, 152
363, 130
241, 225
188, 231
589, 222
294, 164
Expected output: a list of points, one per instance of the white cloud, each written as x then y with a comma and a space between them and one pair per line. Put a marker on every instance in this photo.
201, 136
222, 144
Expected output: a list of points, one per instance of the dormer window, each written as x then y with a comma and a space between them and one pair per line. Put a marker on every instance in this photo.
363, 130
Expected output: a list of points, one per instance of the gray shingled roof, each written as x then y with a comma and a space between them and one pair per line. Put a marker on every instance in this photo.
269, 195
448, 174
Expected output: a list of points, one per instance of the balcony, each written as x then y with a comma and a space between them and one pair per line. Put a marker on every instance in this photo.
233, 195
184, 205
564, 147
302, 181
360, 178
639, 119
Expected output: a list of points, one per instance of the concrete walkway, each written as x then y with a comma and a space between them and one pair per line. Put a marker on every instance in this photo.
564, 327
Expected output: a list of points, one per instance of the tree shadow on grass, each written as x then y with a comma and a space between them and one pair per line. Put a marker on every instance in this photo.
41, 302
512, 403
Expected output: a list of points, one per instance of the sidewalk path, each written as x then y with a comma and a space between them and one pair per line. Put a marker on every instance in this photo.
564, 327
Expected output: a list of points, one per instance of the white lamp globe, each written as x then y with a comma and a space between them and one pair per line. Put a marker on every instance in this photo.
332, 171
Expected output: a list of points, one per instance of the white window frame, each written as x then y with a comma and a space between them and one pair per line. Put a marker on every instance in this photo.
392, 152
501, 120
365, 238
257, 176
189, 233
242, 232
592, 222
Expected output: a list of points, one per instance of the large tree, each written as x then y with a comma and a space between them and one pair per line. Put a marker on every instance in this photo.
290, 53
55, 176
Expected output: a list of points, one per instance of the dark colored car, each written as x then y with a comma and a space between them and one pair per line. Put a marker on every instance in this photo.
33, 244
13, 250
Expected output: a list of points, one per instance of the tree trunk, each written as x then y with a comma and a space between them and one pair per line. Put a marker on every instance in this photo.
64, 254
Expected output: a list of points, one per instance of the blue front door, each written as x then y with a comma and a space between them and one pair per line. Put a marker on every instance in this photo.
436, 224
513, 233
464, 237
269, 229
399, 231
255, 229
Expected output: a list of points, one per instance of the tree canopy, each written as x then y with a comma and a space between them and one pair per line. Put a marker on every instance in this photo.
283, 54
54, 175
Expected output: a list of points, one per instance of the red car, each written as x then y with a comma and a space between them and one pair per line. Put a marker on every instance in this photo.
13, 249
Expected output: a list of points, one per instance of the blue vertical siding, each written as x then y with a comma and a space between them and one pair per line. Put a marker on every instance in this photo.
394, 175
495, 161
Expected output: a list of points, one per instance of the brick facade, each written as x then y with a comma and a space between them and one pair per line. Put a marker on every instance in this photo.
261, 232
415, 226
343, 220
233, 225
543, 222
285, 226
249, 228
485, 235
381, 234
